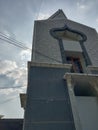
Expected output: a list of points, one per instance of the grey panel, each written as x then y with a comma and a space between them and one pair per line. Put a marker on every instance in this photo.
44, 83
47, 110
48, 88
50, 126
46, 73
47, 100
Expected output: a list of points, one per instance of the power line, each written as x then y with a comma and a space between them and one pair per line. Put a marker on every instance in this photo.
13, 41
8, 100
11, 38
17, 44
11, 87
53, 59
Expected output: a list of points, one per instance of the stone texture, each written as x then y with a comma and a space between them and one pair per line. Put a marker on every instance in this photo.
47, 45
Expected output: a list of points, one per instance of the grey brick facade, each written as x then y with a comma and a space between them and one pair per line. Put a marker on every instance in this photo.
47, 45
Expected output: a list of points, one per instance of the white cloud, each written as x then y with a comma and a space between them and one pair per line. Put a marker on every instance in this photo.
7, 66
6, 33
19, 76
86, 5
97, 20
12, 83
13, 76
12, 91
25, 56
42, 16
82, 6
10, 103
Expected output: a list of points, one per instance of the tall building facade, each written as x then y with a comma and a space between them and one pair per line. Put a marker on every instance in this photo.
62, 76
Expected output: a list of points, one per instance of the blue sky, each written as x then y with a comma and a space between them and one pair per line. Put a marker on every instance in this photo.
16, 21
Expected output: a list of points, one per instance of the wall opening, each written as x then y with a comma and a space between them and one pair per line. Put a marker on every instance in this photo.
76, 64
84, 89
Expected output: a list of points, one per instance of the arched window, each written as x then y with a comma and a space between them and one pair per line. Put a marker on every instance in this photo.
66, 33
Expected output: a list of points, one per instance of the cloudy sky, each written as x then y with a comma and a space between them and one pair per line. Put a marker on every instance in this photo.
16, 23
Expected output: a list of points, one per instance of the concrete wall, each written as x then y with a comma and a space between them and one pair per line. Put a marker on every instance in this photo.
47, 45
88, 112
48, 105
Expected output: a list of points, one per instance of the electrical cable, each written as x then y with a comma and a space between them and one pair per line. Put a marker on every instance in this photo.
12, 39
53, 59
11, 87
17, 44
8, 100
12, 43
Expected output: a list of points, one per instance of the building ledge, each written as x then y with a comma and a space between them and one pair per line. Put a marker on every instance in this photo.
80, 75
67, 66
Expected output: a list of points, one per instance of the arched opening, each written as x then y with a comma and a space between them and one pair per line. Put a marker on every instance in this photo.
66, 33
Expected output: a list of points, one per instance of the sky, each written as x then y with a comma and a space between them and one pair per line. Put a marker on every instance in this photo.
17, 22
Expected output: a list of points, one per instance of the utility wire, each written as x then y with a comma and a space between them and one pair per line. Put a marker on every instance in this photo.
11, 87
20, 45
13, 41
8, 100
11, 38
53, 59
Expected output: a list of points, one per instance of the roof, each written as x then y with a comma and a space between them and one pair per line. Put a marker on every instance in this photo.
58, 15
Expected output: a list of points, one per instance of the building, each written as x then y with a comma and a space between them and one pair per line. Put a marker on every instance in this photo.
62, 76
11, 124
